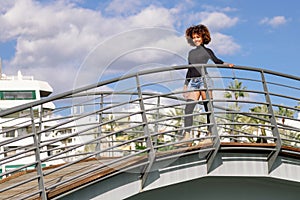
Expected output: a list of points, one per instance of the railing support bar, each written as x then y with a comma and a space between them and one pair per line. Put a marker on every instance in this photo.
157, 116
36, 141
274, 154
149, 143
99, 131
212, 128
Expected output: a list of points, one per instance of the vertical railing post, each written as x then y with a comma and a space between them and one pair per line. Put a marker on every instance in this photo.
274, 154
40, 125
213, 125
36, 142
149, 143
99, 132
156, 120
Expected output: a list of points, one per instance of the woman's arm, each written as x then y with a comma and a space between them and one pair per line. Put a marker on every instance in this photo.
217, 60
214, 57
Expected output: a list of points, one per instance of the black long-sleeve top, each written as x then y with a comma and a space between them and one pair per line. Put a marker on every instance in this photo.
199, 55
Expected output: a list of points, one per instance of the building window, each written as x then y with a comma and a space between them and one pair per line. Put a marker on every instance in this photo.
9, 134
17, 95
9, 151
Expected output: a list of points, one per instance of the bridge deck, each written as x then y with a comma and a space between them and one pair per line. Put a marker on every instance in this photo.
104, 170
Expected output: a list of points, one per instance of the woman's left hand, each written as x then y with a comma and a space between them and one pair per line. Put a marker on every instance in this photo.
229, 64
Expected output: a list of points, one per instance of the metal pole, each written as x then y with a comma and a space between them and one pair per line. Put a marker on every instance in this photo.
151, 154
213, 127
274, 154
99, 133
233, 115
43, 194
156, 119
40, 125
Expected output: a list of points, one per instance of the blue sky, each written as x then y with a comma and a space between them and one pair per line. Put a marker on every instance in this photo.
73, 42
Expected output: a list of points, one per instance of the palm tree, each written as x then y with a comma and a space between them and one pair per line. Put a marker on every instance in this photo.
177, 111
261, 110
236, 91
298, 107
284, 112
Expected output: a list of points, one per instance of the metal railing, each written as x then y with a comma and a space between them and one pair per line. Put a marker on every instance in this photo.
140, 115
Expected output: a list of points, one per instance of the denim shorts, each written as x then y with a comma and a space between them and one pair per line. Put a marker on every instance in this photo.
198, 83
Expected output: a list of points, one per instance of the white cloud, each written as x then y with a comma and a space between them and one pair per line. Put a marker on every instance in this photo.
210, 8
216, 21
224, 44
136, 49
62, 43
275, 21
125, 7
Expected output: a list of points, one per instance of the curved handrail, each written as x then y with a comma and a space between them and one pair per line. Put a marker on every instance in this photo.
133, 74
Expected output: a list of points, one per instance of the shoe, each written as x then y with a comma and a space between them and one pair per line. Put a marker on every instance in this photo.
186, 137
205, 140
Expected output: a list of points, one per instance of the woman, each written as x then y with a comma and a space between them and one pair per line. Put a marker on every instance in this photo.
197, 36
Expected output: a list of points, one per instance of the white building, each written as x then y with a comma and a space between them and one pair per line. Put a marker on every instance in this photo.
18, 90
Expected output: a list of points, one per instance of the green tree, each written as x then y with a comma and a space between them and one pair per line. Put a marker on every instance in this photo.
298, 106
284, 112
176, 114
261, 118
177, 111
236, 91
